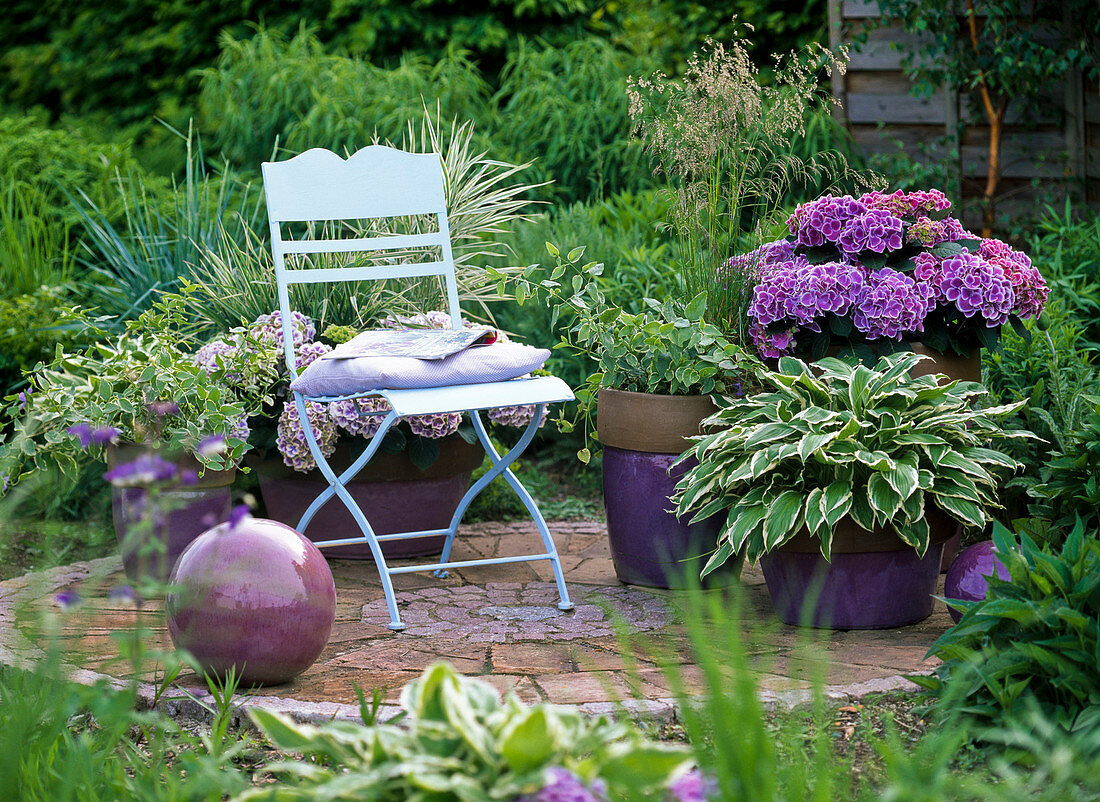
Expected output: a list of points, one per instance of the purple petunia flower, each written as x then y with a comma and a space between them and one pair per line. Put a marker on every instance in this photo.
146, 469
565, 786
238, 514
67, 599
83, 432
105, 435
123, 593
692, 787
211, 446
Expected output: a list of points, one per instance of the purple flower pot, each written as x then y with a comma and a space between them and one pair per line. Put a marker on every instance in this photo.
968, 577
151, 538
875, 590
649, 545
257, 596
393, 494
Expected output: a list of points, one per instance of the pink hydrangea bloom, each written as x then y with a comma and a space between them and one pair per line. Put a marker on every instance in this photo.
358, 416
291, 439
435, 426
1028, 286
516, 416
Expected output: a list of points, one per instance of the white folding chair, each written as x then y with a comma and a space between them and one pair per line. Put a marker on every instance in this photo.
381, 182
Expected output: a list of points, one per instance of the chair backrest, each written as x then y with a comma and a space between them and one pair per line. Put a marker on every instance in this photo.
375, 182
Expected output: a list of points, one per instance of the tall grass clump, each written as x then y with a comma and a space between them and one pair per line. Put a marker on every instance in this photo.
159, 243
721, 137
34, 249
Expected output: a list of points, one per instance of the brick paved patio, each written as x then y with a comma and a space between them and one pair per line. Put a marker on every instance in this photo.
496, 622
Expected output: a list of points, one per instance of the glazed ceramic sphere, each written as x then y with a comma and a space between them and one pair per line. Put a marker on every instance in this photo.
968, 577
256, 595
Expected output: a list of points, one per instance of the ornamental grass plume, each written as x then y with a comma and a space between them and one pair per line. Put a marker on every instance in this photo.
722, 137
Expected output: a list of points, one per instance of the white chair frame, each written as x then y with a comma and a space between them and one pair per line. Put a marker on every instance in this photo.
382, 182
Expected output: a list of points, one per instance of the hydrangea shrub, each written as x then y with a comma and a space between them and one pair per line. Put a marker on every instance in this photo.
885, 267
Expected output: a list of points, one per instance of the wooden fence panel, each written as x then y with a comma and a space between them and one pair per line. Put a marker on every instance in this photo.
1053, 146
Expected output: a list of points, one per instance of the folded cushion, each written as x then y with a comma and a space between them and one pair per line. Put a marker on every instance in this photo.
486, 363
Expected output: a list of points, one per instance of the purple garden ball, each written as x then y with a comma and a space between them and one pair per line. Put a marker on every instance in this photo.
252, 594
968, 577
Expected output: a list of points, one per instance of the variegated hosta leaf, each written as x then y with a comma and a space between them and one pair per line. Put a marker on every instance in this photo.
861, 510
815, 518
962, 510
745, 522
836, 501
785, 517
767, 433
903, 479
916, 534
723, 553
883, 498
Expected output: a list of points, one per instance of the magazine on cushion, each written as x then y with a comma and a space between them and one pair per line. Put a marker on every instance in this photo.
431, 344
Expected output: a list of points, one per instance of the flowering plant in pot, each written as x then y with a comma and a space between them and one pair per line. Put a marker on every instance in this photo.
849, 476
653, 377
883, 268
433, 454
139, 400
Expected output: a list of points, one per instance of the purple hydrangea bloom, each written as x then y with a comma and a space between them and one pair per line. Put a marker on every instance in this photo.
892, 304
308, 353
873, 230
356, 415
208, 356
146, 469
435, 426
291, 439
976, 286
692, 787
906, 204
240, 428
757, 262
772, 346
1028, 286
515, 416
268, 329
821, 221
799, 292
565, 786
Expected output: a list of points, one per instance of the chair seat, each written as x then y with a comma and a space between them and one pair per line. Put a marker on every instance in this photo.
462, 397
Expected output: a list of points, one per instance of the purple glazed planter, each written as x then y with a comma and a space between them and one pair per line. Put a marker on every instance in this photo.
191, 512
874, 590
257, 596
649, 545
968, 577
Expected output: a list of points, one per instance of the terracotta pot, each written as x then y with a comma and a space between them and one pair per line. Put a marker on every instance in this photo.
873, 581
151, 540
394, 494
643, 436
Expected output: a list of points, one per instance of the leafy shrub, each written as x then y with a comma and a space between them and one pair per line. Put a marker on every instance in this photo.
66, 159
269, 89
1035, 638
1066, 248
1053, 370
459, 742
1068, 488
567, 107
31, 327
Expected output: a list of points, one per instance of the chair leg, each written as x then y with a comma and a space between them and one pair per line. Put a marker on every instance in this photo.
336, 487
501, 467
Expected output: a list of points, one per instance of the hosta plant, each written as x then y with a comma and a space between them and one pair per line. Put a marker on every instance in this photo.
458, 742
833, 441
1034, 641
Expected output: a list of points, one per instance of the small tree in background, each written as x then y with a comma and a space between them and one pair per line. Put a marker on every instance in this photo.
1006, 51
